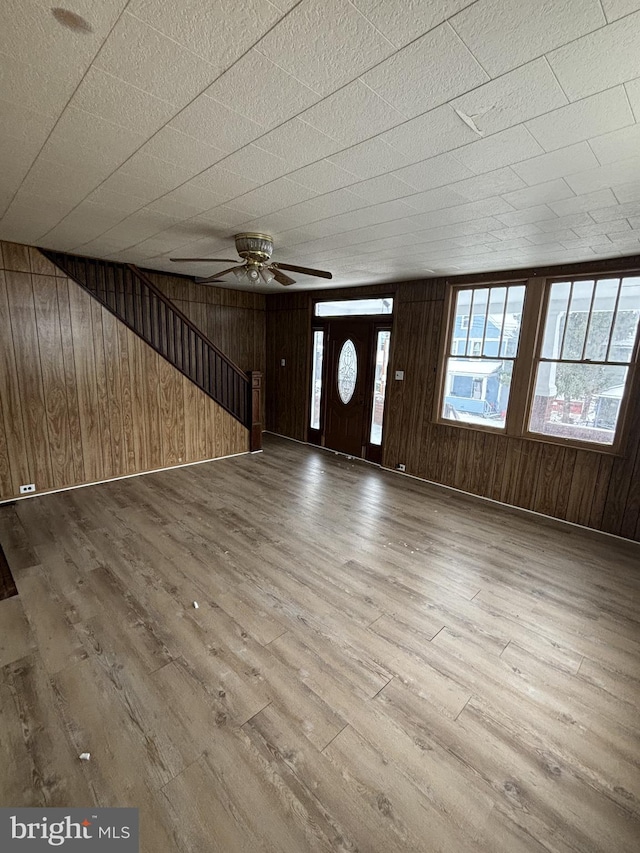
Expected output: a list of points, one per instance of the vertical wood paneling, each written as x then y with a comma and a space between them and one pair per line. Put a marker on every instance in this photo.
10, 399
106, 427
82, 398
140, 412
6, 483
168, 414
70, 379
29, 373
585, 474
126, 360
151, 364
45, 295
548, 478
91, 446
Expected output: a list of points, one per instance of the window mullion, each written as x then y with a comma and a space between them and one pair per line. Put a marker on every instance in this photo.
523, 378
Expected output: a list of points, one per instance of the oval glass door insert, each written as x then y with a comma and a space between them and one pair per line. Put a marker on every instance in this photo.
347, 371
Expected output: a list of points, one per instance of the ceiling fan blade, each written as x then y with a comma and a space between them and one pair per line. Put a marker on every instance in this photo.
218, 275
280, 277
203, 260
305, 270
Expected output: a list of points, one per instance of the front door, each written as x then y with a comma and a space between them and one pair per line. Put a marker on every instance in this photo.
348, 383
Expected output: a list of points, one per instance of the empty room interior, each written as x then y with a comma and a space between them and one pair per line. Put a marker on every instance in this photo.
320, 425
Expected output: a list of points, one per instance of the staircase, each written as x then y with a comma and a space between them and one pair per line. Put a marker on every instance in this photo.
133, 298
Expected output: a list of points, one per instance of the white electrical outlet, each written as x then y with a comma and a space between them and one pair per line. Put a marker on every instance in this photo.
24, 490
401, 467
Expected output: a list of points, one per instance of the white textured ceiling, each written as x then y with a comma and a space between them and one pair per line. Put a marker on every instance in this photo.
378, 139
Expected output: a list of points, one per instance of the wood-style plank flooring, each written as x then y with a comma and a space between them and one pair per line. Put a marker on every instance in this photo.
376, 664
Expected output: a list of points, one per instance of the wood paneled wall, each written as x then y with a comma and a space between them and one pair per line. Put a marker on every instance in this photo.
82, 398
586, 487
233, 319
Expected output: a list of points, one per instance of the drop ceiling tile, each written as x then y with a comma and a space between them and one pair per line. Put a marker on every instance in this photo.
98, 248
278, 97
125, 203
502, 149
29, 217
323, 177
434, 172
219, 32
561, 223
529, 215
215, 124
626, 246
222, 217
633, 93
143, 57
433, 232
112, 99
186, 201
521, 94
124, 184
628, 192
338, 201
625, 171
616, 226
272, 197
599, 60
615, 212
581, 242
171, 206
426, 73
490, 184
172, 146
593, 116
352, 114
298, 143
382, 188
587, 203
557, 164
29, 30
559, 236
619, 145
256, 164
28, 128
539, 194
436, 199
369, 159
60, 182
402, 21
137, 227
435, 132
87, 222
503, 35
223, 183
42, 89
166, 176
315, 44
479, 210
82, 138
615, 9
515, 233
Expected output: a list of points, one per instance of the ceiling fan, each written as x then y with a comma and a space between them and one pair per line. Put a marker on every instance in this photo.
256, 250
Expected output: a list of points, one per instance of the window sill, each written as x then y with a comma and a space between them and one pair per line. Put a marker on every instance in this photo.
573, 444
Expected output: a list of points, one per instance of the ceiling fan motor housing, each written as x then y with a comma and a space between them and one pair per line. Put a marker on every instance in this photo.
256, 248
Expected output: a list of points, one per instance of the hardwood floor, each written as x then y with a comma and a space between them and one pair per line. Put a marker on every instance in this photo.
375, 665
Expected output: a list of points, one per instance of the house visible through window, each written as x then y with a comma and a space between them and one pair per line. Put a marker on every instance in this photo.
583, 367
578, 351
483, 345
